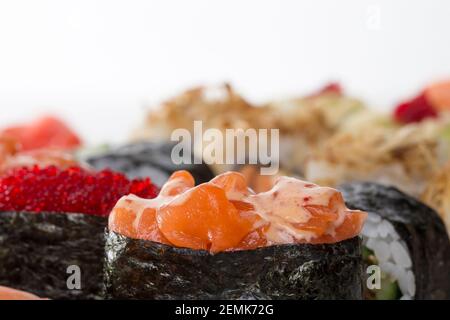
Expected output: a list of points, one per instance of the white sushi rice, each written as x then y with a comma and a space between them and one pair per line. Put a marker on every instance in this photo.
392, 254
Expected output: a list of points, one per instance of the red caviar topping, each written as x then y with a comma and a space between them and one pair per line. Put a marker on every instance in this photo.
330, 88
52, 189
414, 110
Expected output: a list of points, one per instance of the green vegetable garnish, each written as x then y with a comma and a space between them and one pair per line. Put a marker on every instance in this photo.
389, 289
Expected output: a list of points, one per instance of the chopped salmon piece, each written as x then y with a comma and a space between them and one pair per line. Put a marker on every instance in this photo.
203, 218
178, 182
224, 215
233, 183
256, 181
147, 227
121, 220
255, 239
352, 226
13, 294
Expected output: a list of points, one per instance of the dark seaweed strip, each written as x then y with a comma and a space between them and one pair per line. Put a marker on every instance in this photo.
418, 225
36, 249
139, 269
147, 159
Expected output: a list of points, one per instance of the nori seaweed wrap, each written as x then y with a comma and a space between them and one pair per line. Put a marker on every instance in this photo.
218, 240
36, 251
52, 224
148, 159
140, 269
417, 225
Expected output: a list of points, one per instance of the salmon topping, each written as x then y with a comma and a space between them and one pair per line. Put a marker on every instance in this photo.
13, 294
224, 214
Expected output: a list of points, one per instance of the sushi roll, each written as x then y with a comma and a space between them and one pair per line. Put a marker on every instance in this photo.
12, 156
13, 294
405, 157
46, 132
52, 223
148, 159
219, 240
303, 122
406, 239
437, 194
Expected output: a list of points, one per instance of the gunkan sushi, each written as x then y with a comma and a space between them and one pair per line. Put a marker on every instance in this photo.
219, 240
47, 132
52, 223
406, 239
13, 294
149, 159
13, 156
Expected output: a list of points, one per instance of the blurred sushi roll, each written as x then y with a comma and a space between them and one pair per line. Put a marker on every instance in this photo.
407, 149
52, 223
219, 240
148, 159
12, 155
406, 239
437, 194
406, 157
306, 122
303, 122
38, 250
431, 102
48, 132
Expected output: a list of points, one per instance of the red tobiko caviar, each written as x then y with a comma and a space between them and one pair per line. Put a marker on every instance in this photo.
415, 110
330, 88
76, 190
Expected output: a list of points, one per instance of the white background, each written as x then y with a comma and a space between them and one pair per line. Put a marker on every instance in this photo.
100, 63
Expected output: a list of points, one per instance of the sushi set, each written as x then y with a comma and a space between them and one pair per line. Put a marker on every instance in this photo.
359, 208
